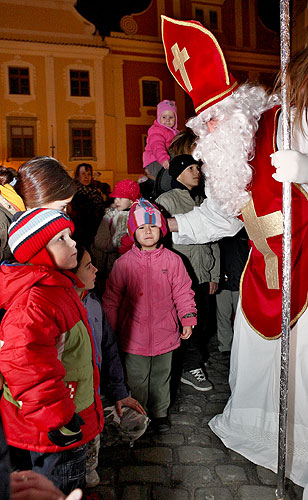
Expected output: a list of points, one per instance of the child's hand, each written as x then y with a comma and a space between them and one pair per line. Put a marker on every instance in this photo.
30, 485
166, 164
131, 403
187, 331
213, 287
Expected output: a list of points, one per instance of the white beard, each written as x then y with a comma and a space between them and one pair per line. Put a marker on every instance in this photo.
226, 151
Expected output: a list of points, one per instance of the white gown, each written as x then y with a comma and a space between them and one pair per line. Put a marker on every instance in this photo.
249, 422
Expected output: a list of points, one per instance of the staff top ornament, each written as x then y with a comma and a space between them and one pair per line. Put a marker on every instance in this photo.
196, 61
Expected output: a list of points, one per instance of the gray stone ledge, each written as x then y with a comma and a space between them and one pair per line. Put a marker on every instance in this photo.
162, 493
143, 474
155, 455
192, 476
213, 494
230, 474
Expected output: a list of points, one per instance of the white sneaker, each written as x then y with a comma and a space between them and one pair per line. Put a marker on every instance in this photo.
92, 479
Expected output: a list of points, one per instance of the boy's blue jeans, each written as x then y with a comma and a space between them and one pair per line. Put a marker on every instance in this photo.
66, 469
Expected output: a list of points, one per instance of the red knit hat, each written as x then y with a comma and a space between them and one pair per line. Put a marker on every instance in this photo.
144, 212
196, 61
29, 234
126, 189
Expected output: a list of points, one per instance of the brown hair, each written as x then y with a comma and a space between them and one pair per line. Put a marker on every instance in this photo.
87, 167
7, 174
297, 85
183, 143
43, 180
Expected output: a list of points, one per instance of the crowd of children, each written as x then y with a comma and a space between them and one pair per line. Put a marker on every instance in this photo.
63, 348
84, 331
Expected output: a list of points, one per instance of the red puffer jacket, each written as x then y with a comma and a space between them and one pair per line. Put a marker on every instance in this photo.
46, 357
145, 292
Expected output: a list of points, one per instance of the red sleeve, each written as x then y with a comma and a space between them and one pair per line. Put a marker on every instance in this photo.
31, 366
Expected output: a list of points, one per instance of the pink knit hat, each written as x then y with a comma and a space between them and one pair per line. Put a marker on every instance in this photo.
167, 106
126, 189
144, 212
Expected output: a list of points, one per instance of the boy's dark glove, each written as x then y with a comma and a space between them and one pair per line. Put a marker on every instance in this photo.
68, 434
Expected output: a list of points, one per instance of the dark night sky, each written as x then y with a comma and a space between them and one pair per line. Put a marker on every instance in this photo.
269, 13
98, 13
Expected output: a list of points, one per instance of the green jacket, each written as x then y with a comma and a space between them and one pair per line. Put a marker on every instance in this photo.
201, 261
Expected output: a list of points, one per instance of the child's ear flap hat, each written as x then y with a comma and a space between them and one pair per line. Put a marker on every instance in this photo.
143, 212
126, 189
30, 232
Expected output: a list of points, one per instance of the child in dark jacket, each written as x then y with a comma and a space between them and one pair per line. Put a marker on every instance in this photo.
147, 290
107, 357
50, 403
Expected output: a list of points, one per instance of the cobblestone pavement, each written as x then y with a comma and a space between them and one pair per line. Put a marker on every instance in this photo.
189, 462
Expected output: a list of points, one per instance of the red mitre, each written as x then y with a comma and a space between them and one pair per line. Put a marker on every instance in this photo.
196, 61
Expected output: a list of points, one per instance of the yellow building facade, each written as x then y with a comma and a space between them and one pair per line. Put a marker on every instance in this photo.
68, 93
52, 91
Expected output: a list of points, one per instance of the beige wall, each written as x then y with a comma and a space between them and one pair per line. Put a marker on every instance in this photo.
53, 38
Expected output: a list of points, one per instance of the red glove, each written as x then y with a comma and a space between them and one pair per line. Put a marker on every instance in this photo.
126, 244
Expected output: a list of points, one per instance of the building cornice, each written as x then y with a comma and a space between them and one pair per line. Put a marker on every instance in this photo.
57, 49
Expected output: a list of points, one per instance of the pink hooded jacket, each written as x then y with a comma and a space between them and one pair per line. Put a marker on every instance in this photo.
145, 293
160, 137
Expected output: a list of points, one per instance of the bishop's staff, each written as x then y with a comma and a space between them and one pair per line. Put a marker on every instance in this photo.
286, 252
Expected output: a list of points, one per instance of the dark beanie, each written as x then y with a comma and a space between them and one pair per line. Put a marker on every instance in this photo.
179, 163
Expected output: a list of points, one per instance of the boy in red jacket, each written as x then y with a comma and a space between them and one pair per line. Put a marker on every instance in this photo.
50, 404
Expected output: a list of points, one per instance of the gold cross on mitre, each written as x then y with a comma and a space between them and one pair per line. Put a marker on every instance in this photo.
259, 229
179, 61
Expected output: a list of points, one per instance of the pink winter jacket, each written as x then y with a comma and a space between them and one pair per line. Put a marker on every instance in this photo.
158, 141
145, 293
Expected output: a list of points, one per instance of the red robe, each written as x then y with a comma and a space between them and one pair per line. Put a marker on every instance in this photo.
261, 283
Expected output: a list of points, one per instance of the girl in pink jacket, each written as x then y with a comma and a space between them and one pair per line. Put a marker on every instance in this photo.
160, 136
147, 291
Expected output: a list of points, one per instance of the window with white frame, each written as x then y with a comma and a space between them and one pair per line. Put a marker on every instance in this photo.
19, 80
208, 15
21, 138
82, 139
79, 83
151, 92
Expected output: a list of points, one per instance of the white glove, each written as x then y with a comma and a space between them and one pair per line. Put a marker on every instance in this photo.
291, 166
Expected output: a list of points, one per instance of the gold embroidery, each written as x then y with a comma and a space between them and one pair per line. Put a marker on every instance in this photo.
259, 229
179, 61
203, 30
207, 32
218, 96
